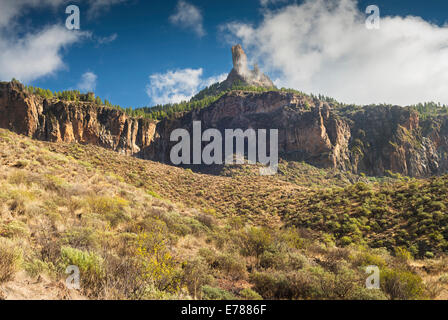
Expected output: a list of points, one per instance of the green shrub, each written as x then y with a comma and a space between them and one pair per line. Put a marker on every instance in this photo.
250, 294
196, 274
255, 241
211, 293
13, 229
233, 265
91, 267
270, 286
346, 240
275, 260
403, 255
10, 258
35, 267
366, 258
401, 285
113, 208
81, 237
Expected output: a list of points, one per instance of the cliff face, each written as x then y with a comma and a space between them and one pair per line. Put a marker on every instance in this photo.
396, 139
369, 140
72, 121
313, 134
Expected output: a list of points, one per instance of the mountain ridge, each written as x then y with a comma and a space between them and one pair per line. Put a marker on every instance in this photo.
370, 140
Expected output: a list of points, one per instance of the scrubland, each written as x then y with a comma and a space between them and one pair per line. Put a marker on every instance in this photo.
143, 230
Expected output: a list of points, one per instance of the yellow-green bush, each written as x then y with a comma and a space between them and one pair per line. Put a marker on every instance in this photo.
250, 294
233, 265
196, 274
13, 229
255, 241
212, 293
402, 254
113, 208
402, 285
91, 267
10, 258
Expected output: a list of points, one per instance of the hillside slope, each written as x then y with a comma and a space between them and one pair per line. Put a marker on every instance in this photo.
144, 230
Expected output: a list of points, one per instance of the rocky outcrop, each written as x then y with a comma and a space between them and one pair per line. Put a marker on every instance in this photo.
241, 75
63, 121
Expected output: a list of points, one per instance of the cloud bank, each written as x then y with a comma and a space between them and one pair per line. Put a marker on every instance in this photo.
179, 85
323, 46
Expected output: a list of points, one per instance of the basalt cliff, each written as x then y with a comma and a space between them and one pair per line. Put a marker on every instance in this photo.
370, 139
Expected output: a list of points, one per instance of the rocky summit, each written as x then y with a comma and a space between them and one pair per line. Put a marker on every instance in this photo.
241, 73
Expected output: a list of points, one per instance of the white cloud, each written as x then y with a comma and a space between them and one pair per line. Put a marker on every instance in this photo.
88, 82
188, 16
31, 55
36, 54
179, 85
323, 46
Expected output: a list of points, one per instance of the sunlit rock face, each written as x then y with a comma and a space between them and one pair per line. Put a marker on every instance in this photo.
72, 122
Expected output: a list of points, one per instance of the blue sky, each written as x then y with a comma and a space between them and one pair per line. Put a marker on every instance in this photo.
125, 48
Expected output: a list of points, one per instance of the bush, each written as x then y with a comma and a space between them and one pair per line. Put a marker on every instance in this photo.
275, 260
272, 285
35, 267
250, 294
366, 258
91, 268
403, 255
346, 240
402, 285
255, 241
207, 220
211, 293
232, 265
196, 275
309, 283
9, 261
13, 229
111, 207
158, 265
